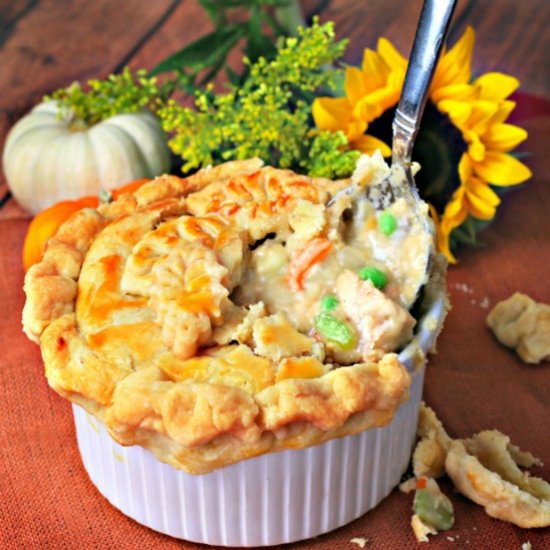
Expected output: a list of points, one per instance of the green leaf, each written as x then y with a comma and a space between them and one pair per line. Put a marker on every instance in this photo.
259, 45
462, 236
215, 12
213, 70
204, 52
468, 232
232, 76
290, 17
274, 25
187, 82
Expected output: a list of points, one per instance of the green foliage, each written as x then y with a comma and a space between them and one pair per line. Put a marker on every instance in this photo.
269, 114
328, 157
207, 55
126, 92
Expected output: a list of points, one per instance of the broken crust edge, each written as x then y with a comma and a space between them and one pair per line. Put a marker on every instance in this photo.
500, 498
514, 496
342, 402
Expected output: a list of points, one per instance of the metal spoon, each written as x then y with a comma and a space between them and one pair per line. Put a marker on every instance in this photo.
430, 37
428, 43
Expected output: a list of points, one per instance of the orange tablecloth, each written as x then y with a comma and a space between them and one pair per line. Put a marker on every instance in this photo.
47, 501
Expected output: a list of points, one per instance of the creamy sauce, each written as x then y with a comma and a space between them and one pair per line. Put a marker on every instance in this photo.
356, 243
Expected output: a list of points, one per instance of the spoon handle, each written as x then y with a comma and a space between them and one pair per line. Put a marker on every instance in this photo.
428, 42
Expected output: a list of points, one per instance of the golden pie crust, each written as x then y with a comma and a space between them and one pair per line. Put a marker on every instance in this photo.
132, 306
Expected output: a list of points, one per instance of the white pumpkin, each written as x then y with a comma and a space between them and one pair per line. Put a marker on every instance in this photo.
47, 158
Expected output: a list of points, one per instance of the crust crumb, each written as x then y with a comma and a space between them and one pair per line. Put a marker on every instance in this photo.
523, 324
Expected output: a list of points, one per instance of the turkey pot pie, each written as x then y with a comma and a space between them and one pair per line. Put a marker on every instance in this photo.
231, 313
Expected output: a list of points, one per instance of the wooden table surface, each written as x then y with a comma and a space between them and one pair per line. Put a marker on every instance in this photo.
47, 44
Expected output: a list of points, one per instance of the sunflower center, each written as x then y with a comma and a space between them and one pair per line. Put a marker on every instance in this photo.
438, 148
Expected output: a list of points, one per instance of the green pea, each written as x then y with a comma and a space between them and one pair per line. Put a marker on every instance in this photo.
434, 510
328, 303
387, 223
333, 329
378, 278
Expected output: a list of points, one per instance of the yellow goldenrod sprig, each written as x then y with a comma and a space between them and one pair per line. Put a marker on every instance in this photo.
269, 115
126, 92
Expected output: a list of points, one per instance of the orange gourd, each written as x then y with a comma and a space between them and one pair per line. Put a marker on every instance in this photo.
46, 223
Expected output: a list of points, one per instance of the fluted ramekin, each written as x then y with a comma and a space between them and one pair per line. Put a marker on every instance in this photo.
270, 499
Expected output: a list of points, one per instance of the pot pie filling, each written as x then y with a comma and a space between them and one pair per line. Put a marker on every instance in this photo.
231, 313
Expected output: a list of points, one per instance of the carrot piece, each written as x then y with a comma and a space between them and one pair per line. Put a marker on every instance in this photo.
421, 483
314, 251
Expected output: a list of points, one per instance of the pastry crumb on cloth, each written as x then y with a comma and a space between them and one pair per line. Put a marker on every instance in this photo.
523, 324
359, 541
485, 468
168, 314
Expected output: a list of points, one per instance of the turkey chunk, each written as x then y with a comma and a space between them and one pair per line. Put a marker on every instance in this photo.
381, 323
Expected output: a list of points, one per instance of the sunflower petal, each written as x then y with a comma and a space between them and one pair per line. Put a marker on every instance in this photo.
476, 149
504, 137
390, 54
460, 92
502, 169
372, 105
331, 113
442, 237
370, 144
355, 85
455, 65
395, 81
482, 190
450, 223
384, 97
464, 169
479, 208
504, 110
458, 111
375, 70
462, 51
355, 129
481, 116
455, 211
496, 86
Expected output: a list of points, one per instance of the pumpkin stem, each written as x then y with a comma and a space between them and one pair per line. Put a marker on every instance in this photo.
77, 125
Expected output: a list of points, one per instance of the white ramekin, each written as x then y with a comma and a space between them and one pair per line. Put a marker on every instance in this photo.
271, 499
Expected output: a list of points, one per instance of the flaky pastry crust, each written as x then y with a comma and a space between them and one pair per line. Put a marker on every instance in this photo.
133, 308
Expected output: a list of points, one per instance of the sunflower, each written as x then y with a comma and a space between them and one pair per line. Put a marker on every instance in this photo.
469, 150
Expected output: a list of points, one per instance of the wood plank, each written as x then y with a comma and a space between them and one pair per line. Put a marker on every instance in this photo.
58, 42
